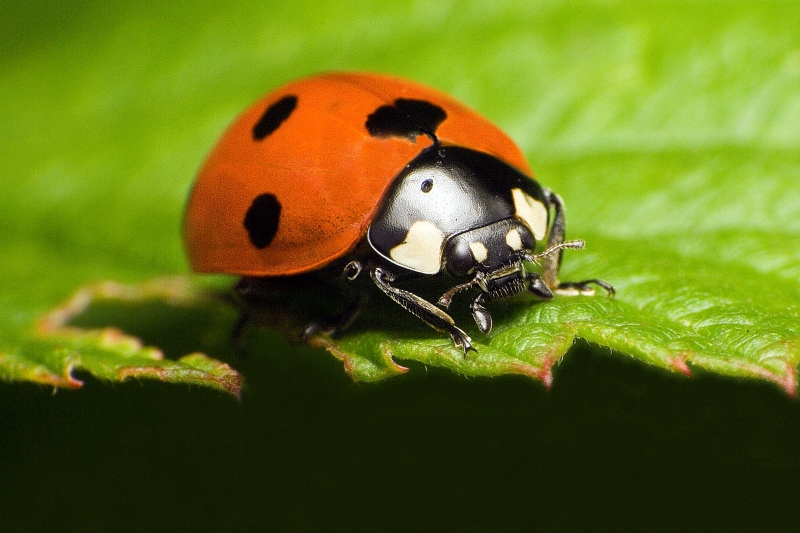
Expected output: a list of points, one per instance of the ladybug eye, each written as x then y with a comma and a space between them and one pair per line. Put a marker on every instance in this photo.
427, 185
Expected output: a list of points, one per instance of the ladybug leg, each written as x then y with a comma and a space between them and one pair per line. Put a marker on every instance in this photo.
331, 326
538, 287
447, 297
238, 298
480, 314
238, 334
422, 309
551, 257
584, 288
558, 231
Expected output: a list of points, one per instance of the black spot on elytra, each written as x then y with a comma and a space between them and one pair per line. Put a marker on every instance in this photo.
273, 117
406, 118
261, 220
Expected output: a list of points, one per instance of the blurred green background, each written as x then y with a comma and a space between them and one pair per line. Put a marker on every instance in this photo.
107, 112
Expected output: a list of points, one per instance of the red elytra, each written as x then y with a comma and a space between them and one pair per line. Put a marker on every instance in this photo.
306, 145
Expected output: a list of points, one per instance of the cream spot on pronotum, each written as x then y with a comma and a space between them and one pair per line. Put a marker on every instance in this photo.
531, 211
479, 251
422, 249
513, 240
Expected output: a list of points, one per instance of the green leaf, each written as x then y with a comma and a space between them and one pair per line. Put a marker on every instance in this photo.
670, 129
54, 351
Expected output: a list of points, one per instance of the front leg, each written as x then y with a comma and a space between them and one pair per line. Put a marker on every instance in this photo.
422, 309
480, 314
552, 262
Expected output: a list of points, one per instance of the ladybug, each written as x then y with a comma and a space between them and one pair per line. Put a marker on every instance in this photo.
367, 176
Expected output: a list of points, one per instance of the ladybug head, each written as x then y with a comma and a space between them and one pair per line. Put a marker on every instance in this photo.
488, 248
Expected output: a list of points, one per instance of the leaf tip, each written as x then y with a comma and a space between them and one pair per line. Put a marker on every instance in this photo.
789, 381
546, 376
543, 373
358, 368
194, 368
679, 364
